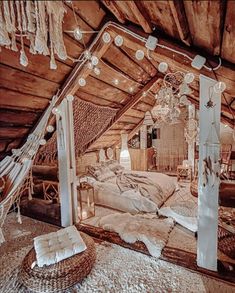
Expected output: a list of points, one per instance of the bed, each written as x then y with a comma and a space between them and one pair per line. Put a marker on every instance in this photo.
129, 191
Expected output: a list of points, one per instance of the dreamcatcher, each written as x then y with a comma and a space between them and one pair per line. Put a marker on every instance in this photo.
172, 96
191, 130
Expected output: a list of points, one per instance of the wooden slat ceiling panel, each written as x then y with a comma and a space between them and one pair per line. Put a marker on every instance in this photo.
205, 20
10, 99
10, 117
228, 45
124, 64
90, 11
162, 17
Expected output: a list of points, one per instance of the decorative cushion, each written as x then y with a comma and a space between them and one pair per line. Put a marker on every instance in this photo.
101, 172
184, 213
56, 246
114, 166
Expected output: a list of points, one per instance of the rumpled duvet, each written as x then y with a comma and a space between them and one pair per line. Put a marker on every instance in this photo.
141, 183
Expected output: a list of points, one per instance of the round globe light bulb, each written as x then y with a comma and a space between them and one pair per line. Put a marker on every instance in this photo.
55, 111
87, 54
118, 41
89, 65
162, 67
189, 77
94, 60
131, 89
77, 34
50, 128
70, 98
31, 152
42, 141
97, 71
106, 37
219, 87
82, 81
139, 55
116, 81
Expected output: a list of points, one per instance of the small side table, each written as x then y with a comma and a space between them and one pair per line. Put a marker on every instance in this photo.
86, 200
184, 173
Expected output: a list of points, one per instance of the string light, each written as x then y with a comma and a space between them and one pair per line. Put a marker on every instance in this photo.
94, 60
162, 67
139, 55
106, 37
219, 87
42, 141
97, 71
118, 41
77, 34
189, 77
56, 111
82, 81
116, 81
70, 98
50, 128
131, 89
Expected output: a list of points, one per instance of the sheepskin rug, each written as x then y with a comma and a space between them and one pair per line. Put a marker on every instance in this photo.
117, 270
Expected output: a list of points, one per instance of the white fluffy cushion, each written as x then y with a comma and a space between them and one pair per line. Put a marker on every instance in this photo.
184, 213
56, 246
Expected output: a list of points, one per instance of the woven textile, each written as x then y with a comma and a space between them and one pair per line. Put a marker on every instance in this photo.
89, 122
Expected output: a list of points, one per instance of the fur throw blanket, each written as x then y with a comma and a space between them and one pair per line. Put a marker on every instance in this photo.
149, 229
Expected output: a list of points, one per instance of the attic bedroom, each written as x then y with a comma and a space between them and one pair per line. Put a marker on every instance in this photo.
117, 146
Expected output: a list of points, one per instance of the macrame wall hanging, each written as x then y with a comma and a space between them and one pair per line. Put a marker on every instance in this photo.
89, 121
36, 22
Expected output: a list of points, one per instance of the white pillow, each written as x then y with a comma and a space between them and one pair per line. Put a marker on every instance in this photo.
56, 246
183, 213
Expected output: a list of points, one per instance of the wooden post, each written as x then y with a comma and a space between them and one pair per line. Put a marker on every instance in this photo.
67, 168
208, 186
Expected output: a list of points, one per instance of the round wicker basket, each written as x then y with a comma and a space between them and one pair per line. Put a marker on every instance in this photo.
60, 276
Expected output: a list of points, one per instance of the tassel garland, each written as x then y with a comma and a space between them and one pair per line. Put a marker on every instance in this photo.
40, 22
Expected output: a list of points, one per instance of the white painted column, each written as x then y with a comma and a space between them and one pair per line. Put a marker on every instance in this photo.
143, 137
208, 186
191, 144
67, 166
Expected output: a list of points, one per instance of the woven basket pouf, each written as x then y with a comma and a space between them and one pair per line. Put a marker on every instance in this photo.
59, 276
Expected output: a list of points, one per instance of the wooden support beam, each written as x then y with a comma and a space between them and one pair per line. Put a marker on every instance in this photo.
134, 100
113, 8
178, 12
144, 22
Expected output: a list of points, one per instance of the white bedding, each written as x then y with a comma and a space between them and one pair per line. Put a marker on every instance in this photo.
108, 194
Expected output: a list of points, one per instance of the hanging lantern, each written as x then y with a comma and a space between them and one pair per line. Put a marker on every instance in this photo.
125, 159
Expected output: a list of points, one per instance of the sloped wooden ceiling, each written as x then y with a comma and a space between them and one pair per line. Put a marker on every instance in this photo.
204, 27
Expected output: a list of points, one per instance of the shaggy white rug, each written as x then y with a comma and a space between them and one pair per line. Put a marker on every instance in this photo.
117, 270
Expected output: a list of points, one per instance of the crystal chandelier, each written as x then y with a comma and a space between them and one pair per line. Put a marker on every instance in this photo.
172, 97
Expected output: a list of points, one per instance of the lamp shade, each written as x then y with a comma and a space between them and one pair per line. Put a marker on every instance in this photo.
148, 120
125, 159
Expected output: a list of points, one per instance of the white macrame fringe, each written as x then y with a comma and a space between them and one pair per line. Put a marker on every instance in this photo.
38, 21
2, 239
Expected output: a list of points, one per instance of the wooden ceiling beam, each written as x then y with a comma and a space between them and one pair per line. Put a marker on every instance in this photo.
179, 15
133, 100
143, 21
114, 10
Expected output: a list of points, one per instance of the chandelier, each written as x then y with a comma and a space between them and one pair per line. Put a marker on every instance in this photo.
172, 97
